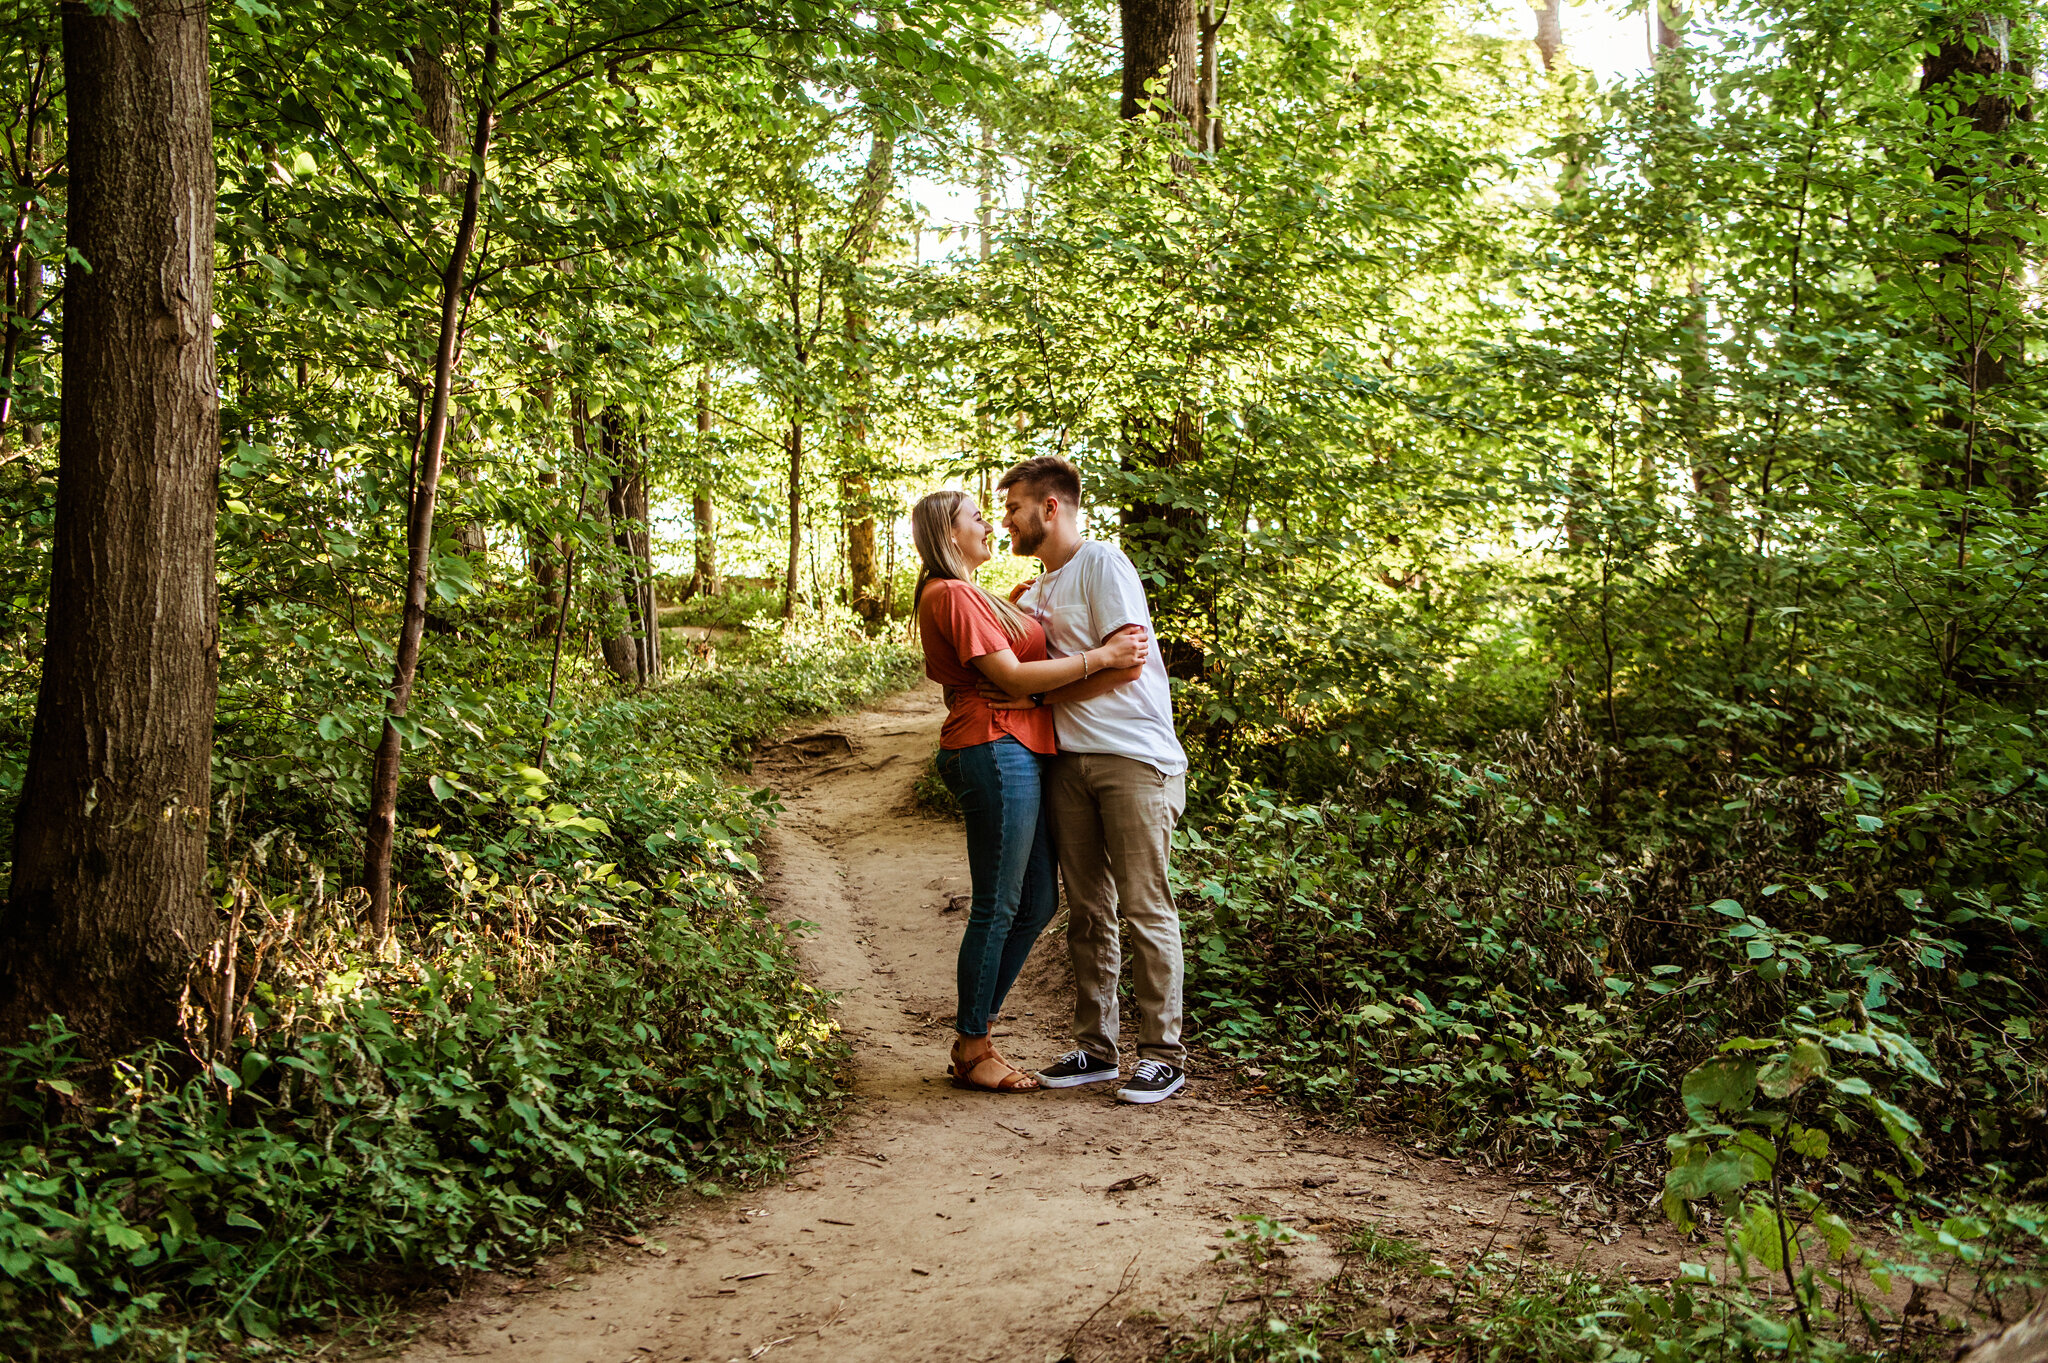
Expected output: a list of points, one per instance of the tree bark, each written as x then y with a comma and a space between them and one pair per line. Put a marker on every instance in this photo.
1160, 39
109, 905
1209, 135
703, 510
856, 490
382, 828
793, 444
630, 650
1966, 66
1550, 33
24, 272
441, 116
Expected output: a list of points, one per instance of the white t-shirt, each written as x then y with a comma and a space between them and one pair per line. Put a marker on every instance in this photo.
1080, 605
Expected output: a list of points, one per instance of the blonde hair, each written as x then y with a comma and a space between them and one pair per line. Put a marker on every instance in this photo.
931, 530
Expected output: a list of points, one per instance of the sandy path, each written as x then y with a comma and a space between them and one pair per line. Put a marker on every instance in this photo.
936, 1224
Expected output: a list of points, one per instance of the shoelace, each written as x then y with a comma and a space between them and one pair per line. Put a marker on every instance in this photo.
1149, 1070
1077, 1057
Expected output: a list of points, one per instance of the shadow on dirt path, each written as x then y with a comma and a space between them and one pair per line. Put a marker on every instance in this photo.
941, 1225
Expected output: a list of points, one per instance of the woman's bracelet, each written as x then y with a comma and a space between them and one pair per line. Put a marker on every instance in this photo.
1084, 664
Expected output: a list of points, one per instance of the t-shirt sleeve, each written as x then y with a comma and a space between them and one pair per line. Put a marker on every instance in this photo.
965, 621
1115, 595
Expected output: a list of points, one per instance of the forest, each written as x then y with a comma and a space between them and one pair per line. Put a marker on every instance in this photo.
1595, 526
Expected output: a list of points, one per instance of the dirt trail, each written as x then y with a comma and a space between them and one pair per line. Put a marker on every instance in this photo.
936, 1224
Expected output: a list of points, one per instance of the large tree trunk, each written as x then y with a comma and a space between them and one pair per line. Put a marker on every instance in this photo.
109, 904
1162, 41
1972, 65
382, 828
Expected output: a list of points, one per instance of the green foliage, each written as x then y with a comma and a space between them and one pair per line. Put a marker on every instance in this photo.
1455, 943
584, 1007
449, 1124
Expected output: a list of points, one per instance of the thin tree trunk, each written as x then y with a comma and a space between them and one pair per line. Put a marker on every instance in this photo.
640, 559
856, 493
794, 444
441, 115
382, 829
703, 510
24, 272
1209, 136
109, 906
620, 646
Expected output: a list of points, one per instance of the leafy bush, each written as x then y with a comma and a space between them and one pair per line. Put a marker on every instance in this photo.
441, 1125
1461, 944
582, 1003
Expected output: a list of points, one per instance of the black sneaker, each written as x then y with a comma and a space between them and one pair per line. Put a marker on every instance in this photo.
1076, 1068
1153, 1080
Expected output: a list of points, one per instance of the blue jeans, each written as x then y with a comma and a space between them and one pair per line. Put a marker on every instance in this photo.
1009, 852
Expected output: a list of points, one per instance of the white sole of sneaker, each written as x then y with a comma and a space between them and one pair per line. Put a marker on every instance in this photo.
1076, 1080
1152, 1095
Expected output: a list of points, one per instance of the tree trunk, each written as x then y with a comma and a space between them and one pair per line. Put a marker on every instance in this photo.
382, 828
1968, 66
441, 115
793, 442
628, 649
109, 906
856, 490
703, 511
1550, 33
1973, 55
640, 559
1209, 135
24, 272
1160, 41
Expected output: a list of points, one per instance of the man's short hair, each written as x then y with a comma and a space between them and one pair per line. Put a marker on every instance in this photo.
1048, 475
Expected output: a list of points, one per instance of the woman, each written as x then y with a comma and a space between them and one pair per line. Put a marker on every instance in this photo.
991, 760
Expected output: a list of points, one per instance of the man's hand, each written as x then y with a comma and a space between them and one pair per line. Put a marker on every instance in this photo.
999, 699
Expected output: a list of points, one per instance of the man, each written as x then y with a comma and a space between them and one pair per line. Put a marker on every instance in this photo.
1114, 792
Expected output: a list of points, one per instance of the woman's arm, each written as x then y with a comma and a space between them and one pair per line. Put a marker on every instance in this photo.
1017, 680
1099, 683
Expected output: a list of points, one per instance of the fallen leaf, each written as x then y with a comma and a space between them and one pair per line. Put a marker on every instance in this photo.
1133, 1183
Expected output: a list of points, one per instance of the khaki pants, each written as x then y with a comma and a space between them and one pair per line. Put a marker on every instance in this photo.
1111, 817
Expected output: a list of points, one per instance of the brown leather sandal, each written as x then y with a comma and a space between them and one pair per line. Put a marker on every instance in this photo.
975, 1075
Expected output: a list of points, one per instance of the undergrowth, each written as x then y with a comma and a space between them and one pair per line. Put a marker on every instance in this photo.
581, 1004
1455, 944
1391, 1300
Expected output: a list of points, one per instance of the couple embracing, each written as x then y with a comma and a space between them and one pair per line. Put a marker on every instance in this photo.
1059, 747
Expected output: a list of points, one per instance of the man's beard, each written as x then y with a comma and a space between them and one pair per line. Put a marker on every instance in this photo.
1025, 540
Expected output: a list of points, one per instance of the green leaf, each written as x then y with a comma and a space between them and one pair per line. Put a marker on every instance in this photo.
1725, 1082
1763, 1236
1785, 1075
